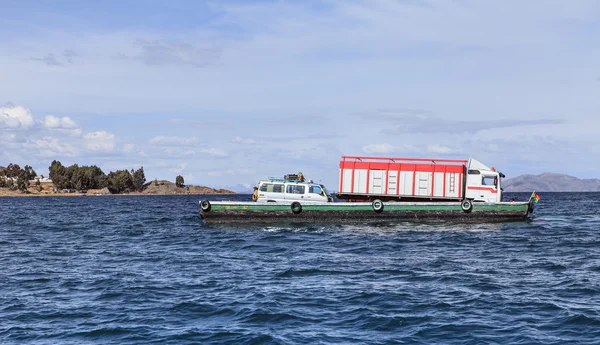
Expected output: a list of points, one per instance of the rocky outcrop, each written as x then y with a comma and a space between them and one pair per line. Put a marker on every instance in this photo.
163, 187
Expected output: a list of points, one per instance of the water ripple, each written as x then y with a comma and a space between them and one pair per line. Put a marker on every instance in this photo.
133, 270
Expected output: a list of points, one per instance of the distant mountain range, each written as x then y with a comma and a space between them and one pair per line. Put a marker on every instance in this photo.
550, 182
240, 189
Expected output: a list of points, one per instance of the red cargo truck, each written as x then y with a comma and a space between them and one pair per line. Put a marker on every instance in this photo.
365, 178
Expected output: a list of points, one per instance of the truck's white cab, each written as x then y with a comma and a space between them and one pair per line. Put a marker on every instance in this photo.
281, 190
483, 183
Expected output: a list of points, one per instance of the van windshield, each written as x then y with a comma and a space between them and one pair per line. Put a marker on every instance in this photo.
315, 190
325, 190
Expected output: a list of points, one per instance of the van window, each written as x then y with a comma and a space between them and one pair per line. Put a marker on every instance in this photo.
315, 189
272, 188
294, 189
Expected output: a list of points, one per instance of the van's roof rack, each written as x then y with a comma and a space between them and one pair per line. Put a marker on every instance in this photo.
281, 179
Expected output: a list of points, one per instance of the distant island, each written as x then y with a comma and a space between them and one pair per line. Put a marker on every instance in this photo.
156, 187
78, 180
550, 182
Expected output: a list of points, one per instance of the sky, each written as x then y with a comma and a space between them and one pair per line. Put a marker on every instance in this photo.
226, 93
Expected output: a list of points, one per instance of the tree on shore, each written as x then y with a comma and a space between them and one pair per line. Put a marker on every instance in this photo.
120, 181
139, 179
77, 177
74, 177
22, 181
29, 173
16, 178
179, 182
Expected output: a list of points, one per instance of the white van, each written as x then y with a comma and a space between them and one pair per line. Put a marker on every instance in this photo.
281, 190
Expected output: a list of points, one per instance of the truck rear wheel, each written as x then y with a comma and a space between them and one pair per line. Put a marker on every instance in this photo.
466, 206
377, 205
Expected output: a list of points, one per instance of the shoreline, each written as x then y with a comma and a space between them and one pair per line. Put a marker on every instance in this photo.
156, 187
11, 193
151, 188
18, 195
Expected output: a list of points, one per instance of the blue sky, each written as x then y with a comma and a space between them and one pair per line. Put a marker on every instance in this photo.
229, 92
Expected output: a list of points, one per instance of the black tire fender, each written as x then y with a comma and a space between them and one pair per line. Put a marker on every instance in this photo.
205, 205
377, 205
466, 205
296, 207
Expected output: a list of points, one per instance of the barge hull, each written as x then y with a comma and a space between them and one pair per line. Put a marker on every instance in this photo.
227, 212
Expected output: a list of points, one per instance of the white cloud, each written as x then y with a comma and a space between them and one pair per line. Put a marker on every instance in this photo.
163, 53
232, 172
51, 147
168, 141
179, 168
439, 149
59, 122
378, 148
64, 124
16, 117
128, 148
8, 137
100, 141
240, 140
245, 171
214, 152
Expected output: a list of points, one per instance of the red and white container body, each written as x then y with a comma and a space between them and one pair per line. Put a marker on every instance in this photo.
365, 178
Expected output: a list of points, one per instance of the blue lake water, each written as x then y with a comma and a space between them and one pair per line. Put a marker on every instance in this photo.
146, 270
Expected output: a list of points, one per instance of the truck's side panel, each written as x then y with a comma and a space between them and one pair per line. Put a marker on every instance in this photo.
392, 182
402, 177
377, 181
423, 183
438, 183
346, 184
360, 181
452, 185
406, 182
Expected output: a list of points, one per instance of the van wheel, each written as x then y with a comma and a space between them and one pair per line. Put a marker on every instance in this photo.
296, 207
377, 205
205, 205
466, 206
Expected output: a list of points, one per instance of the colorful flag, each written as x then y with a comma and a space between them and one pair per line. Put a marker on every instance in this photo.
535, 197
